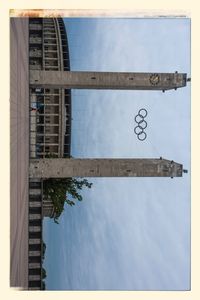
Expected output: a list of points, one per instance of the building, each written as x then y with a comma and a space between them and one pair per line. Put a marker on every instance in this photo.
50, 127
50, 115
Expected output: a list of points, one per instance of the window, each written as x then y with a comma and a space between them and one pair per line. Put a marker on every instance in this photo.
41, 119
66, 149
56, 119
34, 198
40, 129
35, 185
39, 139
35, 223
34, 271
35, 210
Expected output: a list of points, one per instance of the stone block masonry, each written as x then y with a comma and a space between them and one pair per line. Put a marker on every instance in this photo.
132, 167
107, 80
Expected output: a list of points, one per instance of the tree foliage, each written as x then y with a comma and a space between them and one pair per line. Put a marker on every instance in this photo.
57, 190
43, 249
44, 274
43, 287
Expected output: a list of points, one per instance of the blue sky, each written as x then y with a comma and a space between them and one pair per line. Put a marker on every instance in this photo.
128, 233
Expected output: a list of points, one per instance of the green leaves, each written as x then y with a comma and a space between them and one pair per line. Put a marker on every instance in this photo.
44, 274
57, 190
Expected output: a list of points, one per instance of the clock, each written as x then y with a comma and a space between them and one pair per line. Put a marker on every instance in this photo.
154, 79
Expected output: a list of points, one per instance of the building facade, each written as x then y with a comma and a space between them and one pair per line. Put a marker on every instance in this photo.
35, 241
50, 128
50, 108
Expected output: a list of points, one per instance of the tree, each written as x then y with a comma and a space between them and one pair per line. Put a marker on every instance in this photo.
43, 249
43, 287
57, 189
44, 274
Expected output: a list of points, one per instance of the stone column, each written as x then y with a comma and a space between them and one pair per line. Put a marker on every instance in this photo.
132, 167
107, 80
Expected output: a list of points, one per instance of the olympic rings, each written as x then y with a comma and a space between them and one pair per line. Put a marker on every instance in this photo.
141, 124
145, 111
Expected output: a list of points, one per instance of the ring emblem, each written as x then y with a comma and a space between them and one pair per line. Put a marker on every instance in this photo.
141, 124
154, 79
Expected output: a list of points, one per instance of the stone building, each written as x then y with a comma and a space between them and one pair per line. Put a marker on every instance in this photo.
50, 127
50, 115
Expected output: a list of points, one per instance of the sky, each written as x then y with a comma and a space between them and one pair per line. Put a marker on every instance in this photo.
127, 233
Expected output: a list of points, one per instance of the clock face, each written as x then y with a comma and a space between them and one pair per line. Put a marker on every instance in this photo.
154, 79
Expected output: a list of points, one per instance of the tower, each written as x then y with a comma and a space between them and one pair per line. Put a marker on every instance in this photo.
53, 72
132, 167
107, 80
